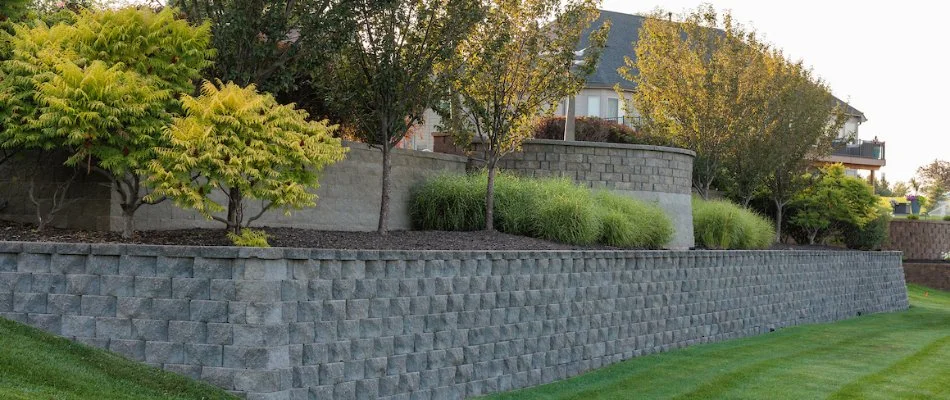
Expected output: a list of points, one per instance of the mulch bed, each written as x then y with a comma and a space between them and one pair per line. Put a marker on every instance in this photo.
299, 238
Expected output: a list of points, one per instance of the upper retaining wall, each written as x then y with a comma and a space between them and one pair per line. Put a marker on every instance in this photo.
661, 175
933, 275
301, 323
919, 240
348, 196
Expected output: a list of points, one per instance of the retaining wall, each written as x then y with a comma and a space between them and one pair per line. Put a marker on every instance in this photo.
919, 240
934, 275
348, 196
301, 324
661, 175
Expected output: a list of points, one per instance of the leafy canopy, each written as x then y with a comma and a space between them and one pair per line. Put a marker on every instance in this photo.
248, 146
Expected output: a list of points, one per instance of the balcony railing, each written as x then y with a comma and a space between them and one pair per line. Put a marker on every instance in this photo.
861, 149
633, 122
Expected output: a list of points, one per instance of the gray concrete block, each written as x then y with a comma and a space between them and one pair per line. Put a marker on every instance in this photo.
116, 285
209, 355
48, 322
175, 267
113, 328
57, 304
165, 352
68, 264
150, 329
102, 264
213, 268
133, 307
264, 313
29, 303
187, 331
220, 333
344, 391
191, 288
33, 263
331, 373
267, 357
138, 266
78, 326
171, 309
153, 287
257, 381
48, 283
82, 284
258, 291
15, 282
220, 377
209, 311
131, 349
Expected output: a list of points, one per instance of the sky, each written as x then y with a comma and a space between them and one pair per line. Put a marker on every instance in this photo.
887, 59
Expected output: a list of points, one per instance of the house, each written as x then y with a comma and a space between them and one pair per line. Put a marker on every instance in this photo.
599, 99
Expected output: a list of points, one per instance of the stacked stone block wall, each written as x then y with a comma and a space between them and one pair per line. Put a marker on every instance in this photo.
919, 240
304, 324
933, 274
661, 175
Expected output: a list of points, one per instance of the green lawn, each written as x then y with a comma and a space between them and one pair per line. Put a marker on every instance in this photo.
36, 365
902, 355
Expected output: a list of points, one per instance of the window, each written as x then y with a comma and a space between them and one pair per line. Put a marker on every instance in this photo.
593, 106
613, 109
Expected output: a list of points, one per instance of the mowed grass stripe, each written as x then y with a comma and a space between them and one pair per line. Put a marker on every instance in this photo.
886, 356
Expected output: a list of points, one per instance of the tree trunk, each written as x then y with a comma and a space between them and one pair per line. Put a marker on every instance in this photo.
778, 221
811, 237
383, 227
490, 197
128, 222
235, 211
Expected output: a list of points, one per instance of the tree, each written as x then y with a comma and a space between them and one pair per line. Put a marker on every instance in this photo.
900, 189
699, 83
833, 200
511, 69
246, 145
383, 78
882, 187
807, 123
935, 179
102, 88
273, 44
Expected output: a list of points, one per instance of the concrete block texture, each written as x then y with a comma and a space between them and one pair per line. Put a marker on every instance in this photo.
434, 325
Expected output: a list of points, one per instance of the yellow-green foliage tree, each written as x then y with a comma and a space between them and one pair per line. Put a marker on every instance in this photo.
512, 67
102, 89
700, 83
247, 146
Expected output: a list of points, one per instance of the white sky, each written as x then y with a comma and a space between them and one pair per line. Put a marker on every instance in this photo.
887, 59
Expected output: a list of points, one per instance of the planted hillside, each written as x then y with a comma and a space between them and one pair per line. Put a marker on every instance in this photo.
550, 209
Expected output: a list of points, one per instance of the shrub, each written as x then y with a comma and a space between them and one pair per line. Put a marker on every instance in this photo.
870, 236
248, 146
595, 130
833, 204
626, 222
913, 217
946, 217
719, 224
249, 238
551, 209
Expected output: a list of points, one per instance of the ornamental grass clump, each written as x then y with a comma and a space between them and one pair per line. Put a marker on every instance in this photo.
626, 222
552, 209
719, 224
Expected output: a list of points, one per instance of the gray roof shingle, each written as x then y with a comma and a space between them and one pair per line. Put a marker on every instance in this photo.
624, 32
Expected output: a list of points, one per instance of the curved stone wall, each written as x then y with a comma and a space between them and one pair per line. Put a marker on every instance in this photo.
662, 175
342, 324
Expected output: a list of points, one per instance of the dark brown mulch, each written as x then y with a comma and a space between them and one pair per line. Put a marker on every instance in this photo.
300, 238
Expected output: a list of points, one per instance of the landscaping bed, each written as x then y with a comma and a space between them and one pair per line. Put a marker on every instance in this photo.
300, 238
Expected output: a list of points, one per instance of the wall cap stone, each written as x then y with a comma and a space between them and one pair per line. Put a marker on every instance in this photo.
661, 149
387, 254
415, 153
